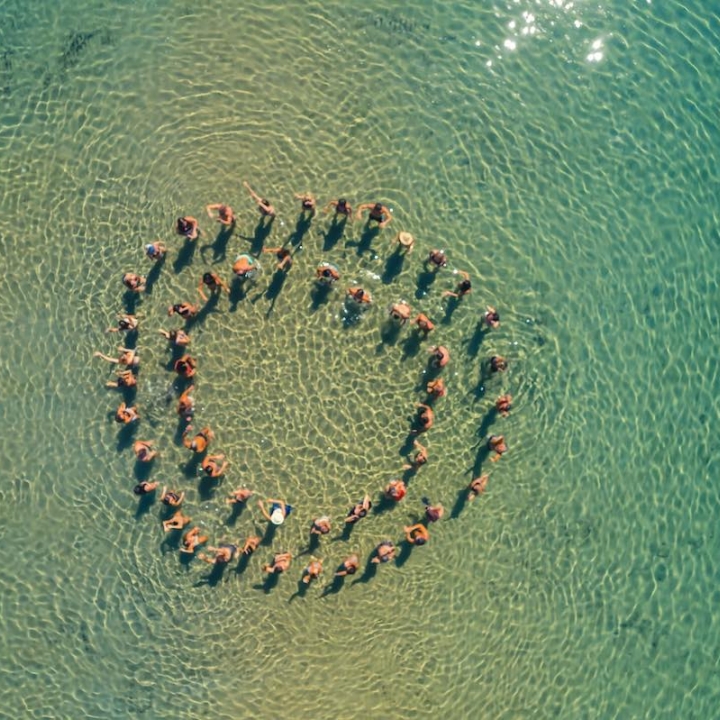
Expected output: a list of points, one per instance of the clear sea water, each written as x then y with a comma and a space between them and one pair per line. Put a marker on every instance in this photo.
563, 153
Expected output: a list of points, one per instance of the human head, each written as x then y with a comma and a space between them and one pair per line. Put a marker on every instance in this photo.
377, 207
277, 517
139, 489
342, 202
208, 278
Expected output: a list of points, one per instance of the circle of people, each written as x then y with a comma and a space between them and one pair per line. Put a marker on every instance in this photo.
357, 300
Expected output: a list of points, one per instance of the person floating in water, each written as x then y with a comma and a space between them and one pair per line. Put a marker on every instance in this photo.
128, 357
171, 498
359, 296
186, 404
477, 487
307, 203
144, 450
178, 338
359, 510
433, 513
125, 379
496, 443
213, 282
491, 318
463, 288
504, 404
184, 309
420, 458
436, 388
320, 526
145, 488
416, 534
349, 566
221, 213
239, 496
395, 490
126, 323
284, 258
377, 213
440, 356
327, 274
187, 227
177, 522
274, 511
155, 251
498, 364
126, 414
425, 418
436, 260
263, 205
400, 312
312, 571
191, 540
223, 554
384, 552
280, 563
424, 324
133, 282
341, 206
251, 545
214, 465
200, 442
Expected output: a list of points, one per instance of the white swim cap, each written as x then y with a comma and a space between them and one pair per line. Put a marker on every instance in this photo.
277, 516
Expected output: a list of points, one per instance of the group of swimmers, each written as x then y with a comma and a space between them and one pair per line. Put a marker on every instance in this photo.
214, 466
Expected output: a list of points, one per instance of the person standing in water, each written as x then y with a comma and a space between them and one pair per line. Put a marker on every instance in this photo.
377, 212
264, 206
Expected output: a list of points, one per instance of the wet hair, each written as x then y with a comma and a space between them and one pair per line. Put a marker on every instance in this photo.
264, 202
419, 540
465, 285
139, 489
341, 201
377, 207
350, 570
208, 278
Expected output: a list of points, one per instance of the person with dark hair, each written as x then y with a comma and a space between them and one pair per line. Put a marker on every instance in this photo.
184, 310
144, 451
134, 282
359, 296
200, 442
187, 226
144, 487
349, 566
425, 418
436, 388
263, 205
125, 379
359, 510
420, 458
498, 364
395, 490
416, 534
400, 312
224, 554
126, 414
213, 282
177, 337
185, 366
327, 274
280, 563
171, 498
320, 526
377, 213
491, 318
239, 496
191, 540
496, 444
177, 522
251, 545
312, 570
341, 206
186, 404
504, 404
424, 324
307, 203
433, 513
128, 357
215, 465
384, 552
440, 356
477, 487
436, 260
126, 323
284, 257
463, 288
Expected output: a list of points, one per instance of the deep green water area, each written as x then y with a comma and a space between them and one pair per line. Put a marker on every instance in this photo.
563, 153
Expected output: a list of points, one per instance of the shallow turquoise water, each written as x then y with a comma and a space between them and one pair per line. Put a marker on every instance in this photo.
564, 154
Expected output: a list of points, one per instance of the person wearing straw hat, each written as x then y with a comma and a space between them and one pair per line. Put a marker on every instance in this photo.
274, 511
405, 242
